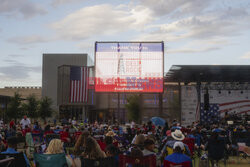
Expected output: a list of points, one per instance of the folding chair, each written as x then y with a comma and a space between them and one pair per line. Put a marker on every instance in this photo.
49, 137
190, 142
19, 159
6, 162
77, 135
102, 162
172, 164
37, 137
145, 161
50, 160
21, 144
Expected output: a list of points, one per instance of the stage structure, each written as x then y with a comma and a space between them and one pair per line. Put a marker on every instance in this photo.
207, 92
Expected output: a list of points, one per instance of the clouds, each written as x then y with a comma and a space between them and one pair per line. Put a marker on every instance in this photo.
63, 2
176, 8
204, 26
167, 20
187, 27
22, 40
16, 70
24, 8
102, 19
246, 56
219, 25
191, 50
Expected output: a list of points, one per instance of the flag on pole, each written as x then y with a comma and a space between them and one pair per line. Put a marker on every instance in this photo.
78, 84
197, 112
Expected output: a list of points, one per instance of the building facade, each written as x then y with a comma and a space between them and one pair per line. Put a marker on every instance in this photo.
23, 91
51, 62
110, 106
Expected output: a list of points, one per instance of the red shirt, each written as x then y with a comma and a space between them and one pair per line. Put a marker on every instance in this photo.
12, 123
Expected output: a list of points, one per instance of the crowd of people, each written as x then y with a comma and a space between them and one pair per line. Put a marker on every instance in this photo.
168, 145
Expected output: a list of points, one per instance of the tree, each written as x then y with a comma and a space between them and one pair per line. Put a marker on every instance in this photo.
133, 107
14, 110
31, 107
45, 109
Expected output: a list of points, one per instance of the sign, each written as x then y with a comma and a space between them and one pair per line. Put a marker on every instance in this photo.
129, 66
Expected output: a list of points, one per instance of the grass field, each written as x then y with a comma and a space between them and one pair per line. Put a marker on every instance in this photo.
231, 162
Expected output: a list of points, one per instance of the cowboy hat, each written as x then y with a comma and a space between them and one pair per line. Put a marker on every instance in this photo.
110, 133
177, 135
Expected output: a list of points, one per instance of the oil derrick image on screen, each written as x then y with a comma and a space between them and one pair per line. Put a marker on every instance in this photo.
121, 66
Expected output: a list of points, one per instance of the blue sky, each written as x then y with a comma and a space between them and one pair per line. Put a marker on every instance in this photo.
212, 32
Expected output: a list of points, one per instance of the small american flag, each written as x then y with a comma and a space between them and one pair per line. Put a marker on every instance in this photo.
78, 84
210, 116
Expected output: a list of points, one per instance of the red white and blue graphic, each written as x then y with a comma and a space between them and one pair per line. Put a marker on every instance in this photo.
129, 67
216, 110
79, 84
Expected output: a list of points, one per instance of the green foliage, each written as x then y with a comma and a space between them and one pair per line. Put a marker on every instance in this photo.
31, 107
133, 107
45, 109
14, 107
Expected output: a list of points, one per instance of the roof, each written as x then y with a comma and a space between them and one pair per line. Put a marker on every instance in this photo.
208, 73
4, 99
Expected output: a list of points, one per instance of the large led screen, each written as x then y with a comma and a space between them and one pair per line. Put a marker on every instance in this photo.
129, 66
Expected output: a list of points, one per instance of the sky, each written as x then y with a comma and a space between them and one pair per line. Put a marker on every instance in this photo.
195, 32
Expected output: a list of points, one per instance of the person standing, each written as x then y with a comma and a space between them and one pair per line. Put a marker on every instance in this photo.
12, 123
25, 122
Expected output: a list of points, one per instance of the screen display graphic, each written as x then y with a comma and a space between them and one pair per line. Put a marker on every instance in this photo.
129, 67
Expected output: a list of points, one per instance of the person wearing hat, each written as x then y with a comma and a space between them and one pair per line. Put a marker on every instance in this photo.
176, 136
12, 145
177, 158
111, 133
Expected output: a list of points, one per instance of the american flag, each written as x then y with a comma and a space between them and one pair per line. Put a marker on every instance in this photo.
78, 84
216, 110
210, 116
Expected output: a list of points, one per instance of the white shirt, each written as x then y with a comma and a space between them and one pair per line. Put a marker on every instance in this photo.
25, 122
73, 122
1, 123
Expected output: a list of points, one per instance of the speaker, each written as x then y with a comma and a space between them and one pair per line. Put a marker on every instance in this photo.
206, 101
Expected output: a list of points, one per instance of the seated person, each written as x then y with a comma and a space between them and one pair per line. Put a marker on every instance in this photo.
26, 130
64, 135
93, 150
139, 142
113, 151
149, 146
56, 147
176, 136
178, 157
36, 127
12, 145
81, 143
